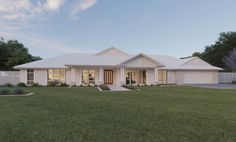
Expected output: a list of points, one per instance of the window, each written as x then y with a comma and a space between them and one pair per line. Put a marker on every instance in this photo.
88, 76
162, 76
30, 76
56, 75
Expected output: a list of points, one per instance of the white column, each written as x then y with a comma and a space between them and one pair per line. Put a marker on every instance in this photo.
78, 76
122, 75
101, 74
73, 79
156, 75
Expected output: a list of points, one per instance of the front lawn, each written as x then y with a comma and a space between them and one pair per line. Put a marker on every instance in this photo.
164, 114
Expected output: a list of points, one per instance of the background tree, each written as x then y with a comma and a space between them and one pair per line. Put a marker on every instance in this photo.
13, 53
230, 60
215, 53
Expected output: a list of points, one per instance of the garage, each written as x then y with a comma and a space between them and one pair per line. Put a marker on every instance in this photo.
200, 77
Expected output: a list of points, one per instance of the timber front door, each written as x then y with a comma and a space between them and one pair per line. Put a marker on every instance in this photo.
108, 76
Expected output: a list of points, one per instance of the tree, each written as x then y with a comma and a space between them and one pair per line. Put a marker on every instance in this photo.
13, 53
215, 53
230, 60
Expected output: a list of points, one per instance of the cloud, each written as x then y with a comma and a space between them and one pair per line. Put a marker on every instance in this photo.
21, 12
80, 6
33, 42
54, 5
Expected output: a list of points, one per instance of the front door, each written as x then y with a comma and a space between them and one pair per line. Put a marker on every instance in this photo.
108, 76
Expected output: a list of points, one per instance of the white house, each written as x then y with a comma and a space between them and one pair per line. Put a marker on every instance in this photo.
113, 66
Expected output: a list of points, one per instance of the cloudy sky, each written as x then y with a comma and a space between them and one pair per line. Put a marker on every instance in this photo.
173, 27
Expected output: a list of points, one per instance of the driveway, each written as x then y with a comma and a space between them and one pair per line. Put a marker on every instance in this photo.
215, 86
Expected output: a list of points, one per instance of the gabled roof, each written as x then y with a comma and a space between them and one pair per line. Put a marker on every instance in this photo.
115, 57
101, 60
112, 51
197, 64
56, 62
145, 56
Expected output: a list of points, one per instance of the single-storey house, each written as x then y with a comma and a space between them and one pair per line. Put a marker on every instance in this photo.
113, 66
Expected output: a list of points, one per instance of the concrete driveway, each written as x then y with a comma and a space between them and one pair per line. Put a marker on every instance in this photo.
215, 86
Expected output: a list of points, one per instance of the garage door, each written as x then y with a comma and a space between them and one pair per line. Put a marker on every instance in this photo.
200, 77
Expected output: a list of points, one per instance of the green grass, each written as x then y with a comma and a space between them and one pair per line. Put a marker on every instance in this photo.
165, 114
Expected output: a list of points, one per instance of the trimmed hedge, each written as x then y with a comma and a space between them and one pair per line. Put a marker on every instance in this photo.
4, 91
129, 87
21, 84
8, 85
64, 85
35, 85
104, 87
18, 91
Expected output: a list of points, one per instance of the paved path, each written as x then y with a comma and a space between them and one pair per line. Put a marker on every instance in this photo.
117, 88
215, 86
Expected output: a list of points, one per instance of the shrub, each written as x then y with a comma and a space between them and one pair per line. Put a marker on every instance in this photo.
53, 83
73, 85
21, 84
35, 85
18, 91
64, 85
4, 91
104, 87
129, 87
234, 82
8, 85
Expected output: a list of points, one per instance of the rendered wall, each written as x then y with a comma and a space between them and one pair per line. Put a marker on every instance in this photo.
40, 76
150, 76
171, 77
23, 76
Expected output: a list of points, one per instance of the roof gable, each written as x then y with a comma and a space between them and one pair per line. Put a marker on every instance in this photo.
113, 52
141, 60
196, 62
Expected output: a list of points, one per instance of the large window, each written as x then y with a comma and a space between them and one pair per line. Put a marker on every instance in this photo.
88, 76
56, 75
162, 76
30, 76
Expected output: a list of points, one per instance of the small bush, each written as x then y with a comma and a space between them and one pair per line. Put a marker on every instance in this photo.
4, 91
129, 87
64, 85
53, 83
73, 85
8, 85
18, 91
104, 87
21, 84
35, 85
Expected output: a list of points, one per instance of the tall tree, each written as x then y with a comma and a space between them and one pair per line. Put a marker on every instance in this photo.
13, 53
215, 53
230, 60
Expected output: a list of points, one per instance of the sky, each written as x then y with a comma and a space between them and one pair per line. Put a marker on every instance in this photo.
178, 28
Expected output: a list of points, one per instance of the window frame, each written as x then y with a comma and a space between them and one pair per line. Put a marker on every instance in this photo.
56, 75
88, 76
162, 76
30, 73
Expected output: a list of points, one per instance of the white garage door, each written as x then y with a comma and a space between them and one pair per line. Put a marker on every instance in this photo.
200, 77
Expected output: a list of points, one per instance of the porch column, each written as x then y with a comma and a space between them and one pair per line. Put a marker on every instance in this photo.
122, 75
156, 75
73, 79
101, 74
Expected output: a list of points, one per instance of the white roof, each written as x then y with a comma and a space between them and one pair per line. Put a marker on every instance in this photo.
56, 62
115, 57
